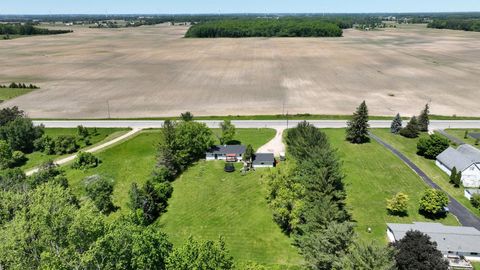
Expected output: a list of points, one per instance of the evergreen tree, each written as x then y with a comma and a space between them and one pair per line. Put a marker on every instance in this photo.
396, 124
411, 130
424, 119
357, 129
187, 116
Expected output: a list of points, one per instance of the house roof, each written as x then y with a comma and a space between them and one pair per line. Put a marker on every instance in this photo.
227, 149
473, 191
448, 238
461, 158
263, 158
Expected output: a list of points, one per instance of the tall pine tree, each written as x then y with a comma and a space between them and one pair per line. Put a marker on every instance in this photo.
424, 119
396, 124
357, 128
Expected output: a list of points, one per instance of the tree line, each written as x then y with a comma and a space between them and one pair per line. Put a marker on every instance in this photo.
14, 85
28, 30
283, 27
456, 24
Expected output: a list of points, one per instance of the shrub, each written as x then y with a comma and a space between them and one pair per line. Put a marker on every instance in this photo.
85, 160
398, 204
433, 202
100, 190
432, 146
18, 158
411, 130
65, 144
82, 132
456, 177
475, 200
45, 144
5, 155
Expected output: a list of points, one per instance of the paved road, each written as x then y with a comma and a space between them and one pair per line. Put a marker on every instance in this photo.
450, 137
141, 124
91, 150
463, 215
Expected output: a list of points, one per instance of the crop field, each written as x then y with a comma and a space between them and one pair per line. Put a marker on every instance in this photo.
153, 71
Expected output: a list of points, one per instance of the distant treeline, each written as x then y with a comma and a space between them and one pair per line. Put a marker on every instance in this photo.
289, 27
28, 30
456, 24
20, 86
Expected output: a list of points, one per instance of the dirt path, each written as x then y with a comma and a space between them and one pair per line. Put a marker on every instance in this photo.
97, 148
275, 145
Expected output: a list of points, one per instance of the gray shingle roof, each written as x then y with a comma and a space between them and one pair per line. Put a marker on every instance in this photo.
448, 238
263, 159
461, 158
227, 149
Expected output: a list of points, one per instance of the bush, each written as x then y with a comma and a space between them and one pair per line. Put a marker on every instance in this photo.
432, 146
411, 130
18, 158
398, 204
65, 144
45, 144
433, 202
85, 160
100, 190
475, 200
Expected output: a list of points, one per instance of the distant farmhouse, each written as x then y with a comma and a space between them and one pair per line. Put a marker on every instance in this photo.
451, 240
466, 159
234, 153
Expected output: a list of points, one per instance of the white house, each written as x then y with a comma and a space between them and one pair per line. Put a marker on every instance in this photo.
451, 240
230, 153
466, 159
263, 160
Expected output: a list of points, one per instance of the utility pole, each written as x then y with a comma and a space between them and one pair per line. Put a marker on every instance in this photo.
108, 108
287, 119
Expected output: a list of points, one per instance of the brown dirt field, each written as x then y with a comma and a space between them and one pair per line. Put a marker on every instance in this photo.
153, 72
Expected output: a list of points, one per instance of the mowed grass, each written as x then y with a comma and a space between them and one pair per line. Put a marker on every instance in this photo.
373, 175
460, 133
9, 93
103, 134
408, 147
476, 265
209, 203
255, 137
134, 160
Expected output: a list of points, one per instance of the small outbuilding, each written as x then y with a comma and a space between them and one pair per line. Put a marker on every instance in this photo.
263, 160
229, 153
465, 159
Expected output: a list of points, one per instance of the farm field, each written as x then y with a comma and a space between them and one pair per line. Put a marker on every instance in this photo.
153, 72
9, 93
460, 133
408, 147
103, 134
134, 160
373, 175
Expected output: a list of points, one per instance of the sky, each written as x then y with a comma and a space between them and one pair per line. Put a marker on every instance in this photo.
231, 6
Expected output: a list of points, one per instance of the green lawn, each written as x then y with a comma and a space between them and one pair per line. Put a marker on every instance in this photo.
476, 265
9, 93
460, 133
104, 134
255, 137
373, 175
207, 202
409, 148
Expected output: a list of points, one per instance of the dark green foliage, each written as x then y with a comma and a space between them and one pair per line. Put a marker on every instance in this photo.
149, 202
430, 147
10, 114
433, 202
411, 130
228, 132
285, 27
99, 190
5, 155
48, 172
396, 124
357, 128
85, 160
45, 144
187, 116
65, 144
18, 158
415, 251
20, 133
465, 136
14, 85
82, 132
249, 153
424, 119
13, 180
475, 200
302, 139
367, 257
27, 30
456, 24
201, 255
456, 177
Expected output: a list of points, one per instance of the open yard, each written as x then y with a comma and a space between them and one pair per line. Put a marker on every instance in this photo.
460, 133
9, 93
373, 175
154, 71
409, 148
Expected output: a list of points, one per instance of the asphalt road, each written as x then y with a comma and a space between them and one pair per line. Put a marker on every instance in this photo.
463, 215
143, 124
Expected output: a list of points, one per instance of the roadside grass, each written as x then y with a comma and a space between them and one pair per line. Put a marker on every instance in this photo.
134, 160
208, 203
408, 147
476, 265
373, 175
460, 133
104, 134
255, 137
9, 93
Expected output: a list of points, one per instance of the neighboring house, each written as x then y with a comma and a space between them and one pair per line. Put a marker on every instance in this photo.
230, 153
451, 240
470, 192
466, 159
263, 160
